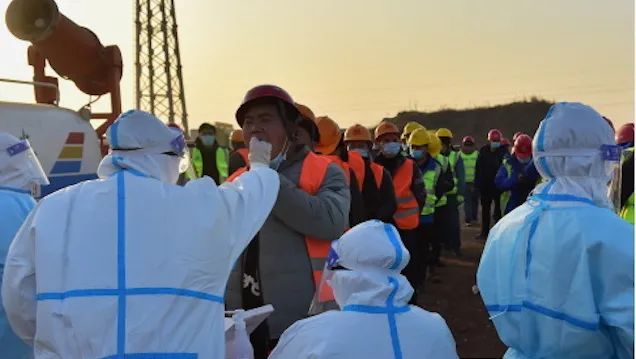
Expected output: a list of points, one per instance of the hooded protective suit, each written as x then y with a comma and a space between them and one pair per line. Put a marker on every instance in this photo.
375, 321
131, 265
16, 179
557, 273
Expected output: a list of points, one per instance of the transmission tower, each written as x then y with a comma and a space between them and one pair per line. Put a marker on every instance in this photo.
159, 83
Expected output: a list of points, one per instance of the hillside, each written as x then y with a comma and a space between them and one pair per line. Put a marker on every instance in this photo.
510, 118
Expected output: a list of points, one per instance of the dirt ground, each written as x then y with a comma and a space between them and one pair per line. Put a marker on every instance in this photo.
454, 300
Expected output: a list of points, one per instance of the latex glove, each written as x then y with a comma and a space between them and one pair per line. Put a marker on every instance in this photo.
260, 152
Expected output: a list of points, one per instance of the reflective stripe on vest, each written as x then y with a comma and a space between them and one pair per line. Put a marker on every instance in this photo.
430, 177
312, 175
443, 162
627, 213
470, 162
407, 214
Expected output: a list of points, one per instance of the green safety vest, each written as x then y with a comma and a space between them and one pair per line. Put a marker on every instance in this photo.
443, 160
430, 178
222, 155
453, 157
505, 196
470, 162
627, 212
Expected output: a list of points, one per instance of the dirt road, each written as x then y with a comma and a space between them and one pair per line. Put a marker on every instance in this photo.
464, 311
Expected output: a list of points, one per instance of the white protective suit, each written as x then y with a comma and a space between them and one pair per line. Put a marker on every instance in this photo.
16, 202
375, 321
557, 273
131, 265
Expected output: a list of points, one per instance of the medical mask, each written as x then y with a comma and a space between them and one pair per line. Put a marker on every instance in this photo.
495, 145
276, 161
362, 151
525, 160
418, 154
391, 149
207, 140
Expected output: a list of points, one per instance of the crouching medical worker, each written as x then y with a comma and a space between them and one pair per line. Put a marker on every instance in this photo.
20, 171
375, 321
557, 273
98, 270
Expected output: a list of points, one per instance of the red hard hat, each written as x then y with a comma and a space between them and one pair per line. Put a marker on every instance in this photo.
505, 142
625, 134
523, 146
517, 134
263, 92
468, 139
494, 135
175, 126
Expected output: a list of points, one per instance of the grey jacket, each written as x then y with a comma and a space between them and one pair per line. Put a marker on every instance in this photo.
284, 265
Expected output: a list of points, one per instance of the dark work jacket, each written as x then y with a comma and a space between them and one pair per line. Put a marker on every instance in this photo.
379, 203
486, 169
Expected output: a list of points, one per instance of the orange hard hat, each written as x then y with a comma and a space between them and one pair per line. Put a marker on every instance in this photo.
357, 132
237, 136
625, 134
308, 121
386, 128
330, 135
305, 112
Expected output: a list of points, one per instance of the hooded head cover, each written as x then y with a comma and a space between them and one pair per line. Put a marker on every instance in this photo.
570, 151
19, 167
374, 256
142, 144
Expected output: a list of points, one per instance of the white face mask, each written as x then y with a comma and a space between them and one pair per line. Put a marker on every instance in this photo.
282, 156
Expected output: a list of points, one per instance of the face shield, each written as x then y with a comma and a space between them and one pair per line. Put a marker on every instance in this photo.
323, 297
23, 160
180, 149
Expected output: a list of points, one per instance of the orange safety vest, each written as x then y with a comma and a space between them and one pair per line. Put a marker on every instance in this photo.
358, 166
312, 175
407, 215
243, 152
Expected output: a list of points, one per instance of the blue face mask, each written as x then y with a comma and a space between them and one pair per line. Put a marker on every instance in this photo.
391, 149
207, 140
363, 152
276, 161
495, 145
418, 154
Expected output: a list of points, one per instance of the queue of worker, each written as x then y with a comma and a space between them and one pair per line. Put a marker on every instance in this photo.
346, 226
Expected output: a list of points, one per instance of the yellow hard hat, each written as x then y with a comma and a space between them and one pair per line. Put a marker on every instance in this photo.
435, 146
419, 137
386, 128
409, 128
330, 135
357, 133
237, 136
444, 132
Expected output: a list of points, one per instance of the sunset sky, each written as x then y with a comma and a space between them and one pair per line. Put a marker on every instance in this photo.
362, 60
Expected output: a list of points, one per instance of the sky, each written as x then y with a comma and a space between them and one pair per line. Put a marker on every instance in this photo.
359, 61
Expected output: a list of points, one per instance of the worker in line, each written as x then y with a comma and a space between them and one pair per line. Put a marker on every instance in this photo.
505, 144
454, 199
208, 157
419, 142
375, 320
374, 180
445, 183
625, 139
332, 146
20, 174
96, 270
406, 133
307, 132
409, 192
469, 156
490, 158
283, 265
239, 154
557, 274
512, 179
